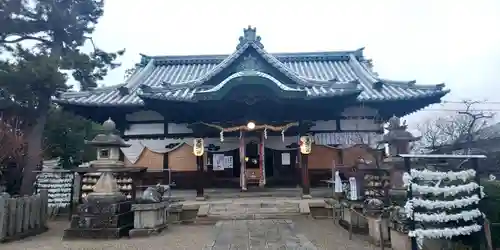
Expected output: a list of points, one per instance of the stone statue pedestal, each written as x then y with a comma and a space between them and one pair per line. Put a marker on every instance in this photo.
101, 218
105, 214
149, 219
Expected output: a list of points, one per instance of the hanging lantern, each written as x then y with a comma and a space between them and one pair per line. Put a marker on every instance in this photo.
198, 147
305, 144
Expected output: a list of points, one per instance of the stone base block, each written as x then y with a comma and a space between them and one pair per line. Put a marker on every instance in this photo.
106, 198
96, 233
102, 221
306, 196
174, 217
150, 215
200, 198
304, 208
145, 232
99, 208
176, 207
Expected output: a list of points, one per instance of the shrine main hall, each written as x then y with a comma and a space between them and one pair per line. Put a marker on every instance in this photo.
252, 117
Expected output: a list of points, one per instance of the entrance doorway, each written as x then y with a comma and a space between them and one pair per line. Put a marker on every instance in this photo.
269, 162
252, 162
280, 165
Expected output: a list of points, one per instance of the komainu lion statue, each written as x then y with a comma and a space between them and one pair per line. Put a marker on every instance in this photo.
154, 193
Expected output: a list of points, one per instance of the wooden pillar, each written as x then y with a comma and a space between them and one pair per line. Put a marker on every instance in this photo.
479, 235
200, 182
243, 169
304, 158
200, 168
306, 187
409, 196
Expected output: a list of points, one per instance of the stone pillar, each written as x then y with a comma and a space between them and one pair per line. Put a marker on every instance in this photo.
306, 187
305, 150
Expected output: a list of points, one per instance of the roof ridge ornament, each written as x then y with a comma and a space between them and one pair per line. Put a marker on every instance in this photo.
250, 63
123, 90
250, 36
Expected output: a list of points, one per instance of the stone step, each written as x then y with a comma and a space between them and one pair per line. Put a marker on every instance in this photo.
211, 213
212, 219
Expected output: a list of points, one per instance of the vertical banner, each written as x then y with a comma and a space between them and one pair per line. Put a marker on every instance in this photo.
242, 162
262, 163
218, 162
228, 162
285, 159
353, 189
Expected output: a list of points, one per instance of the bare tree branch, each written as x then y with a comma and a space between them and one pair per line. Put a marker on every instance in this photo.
476, 119
454, 130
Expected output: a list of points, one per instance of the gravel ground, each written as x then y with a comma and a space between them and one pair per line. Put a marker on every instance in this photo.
186, 237
322, 233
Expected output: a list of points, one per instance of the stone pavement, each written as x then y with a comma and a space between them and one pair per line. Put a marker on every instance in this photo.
258, 234
323, 234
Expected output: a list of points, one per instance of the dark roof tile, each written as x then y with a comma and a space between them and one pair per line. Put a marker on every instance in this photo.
317, 73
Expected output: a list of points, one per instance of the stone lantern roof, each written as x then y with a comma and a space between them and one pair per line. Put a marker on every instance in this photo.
398, 132
108, 138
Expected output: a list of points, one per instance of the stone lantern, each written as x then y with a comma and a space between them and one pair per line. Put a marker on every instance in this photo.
108, 146
105, 212
398, 140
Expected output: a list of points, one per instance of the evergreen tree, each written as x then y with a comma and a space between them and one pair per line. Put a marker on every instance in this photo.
45, 37
65, 135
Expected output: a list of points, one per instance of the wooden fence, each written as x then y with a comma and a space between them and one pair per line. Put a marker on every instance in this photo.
23, 216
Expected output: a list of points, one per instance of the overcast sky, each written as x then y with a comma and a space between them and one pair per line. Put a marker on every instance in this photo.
455, 42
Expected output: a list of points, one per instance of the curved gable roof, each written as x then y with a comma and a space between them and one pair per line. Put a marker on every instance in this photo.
317, 73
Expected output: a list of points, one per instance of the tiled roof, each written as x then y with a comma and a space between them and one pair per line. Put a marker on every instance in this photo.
317, 74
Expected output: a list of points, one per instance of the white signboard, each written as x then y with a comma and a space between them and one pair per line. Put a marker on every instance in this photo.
218, 162
285, 158
228, 162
